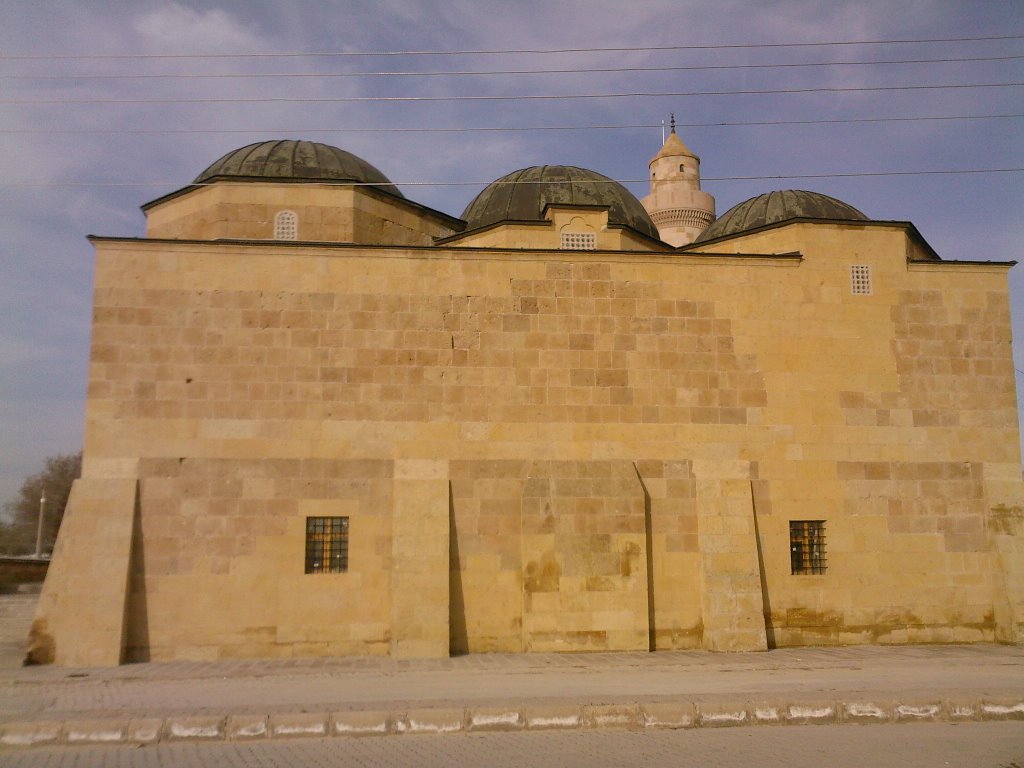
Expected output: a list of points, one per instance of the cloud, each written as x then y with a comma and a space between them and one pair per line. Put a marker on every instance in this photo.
178, 29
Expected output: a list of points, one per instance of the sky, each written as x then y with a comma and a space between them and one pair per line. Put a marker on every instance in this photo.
107, 105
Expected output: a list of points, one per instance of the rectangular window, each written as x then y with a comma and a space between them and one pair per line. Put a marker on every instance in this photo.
807, 546
860, 279
326, 544
579, 241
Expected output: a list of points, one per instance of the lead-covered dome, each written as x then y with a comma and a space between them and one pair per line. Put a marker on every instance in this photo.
524, 194
775, 207
291, 160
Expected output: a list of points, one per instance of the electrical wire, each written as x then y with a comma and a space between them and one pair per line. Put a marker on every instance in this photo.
474, 52
502, 129
491, 97
862, 174
493, 72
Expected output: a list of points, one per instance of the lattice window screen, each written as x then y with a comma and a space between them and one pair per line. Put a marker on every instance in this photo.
860, 279
286, 226
579, 241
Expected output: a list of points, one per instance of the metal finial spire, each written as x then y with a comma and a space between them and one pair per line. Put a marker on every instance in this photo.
673, 123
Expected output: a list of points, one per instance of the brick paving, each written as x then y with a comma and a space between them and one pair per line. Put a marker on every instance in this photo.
978, 745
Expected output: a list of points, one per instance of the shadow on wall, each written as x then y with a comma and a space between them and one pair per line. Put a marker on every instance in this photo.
458, 642
768, 627
652, 642
136, 623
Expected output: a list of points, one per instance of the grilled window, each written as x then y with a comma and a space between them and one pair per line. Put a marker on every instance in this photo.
807, 546
860, 279
326, 544
286, 226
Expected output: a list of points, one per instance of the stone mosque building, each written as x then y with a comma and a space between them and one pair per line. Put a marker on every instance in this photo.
324, 420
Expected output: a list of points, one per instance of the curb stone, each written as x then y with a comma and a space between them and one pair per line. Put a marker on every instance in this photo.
242, 727
918, 712
553, 717
762, 713
95, 731
194, 728
495, 719
668, 716
600, 716
866, 712
960, 711
302, 724
29, 734
1002, 710
363, 723
144, 730
636, 716
722, 715
810, 714
430, 721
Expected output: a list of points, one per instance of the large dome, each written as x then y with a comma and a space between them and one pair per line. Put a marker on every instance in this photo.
773, 207
290, 160
524, 194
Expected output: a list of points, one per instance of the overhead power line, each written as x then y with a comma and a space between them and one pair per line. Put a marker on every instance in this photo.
494, 72
504, 129
519, 97
501, 51
859, 174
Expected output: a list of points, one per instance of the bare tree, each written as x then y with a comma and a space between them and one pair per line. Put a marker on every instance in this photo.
19, 536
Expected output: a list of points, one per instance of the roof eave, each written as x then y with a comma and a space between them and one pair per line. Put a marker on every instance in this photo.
547, 223
373, 189
906, 226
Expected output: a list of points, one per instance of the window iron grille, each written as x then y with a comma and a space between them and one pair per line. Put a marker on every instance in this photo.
807, 546
326, 544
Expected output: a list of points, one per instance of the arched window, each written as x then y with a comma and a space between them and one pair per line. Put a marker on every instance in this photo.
578, 236
286, 226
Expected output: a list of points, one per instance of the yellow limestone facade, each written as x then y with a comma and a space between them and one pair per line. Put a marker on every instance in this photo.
534, 448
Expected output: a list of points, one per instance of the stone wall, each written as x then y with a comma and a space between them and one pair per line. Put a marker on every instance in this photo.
678, 411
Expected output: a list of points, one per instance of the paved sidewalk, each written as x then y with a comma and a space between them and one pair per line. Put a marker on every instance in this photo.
235, 700
144, 703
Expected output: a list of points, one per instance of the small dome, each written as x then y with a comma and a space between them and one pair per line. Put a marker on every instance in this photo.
290, 160
773, 207
524, 194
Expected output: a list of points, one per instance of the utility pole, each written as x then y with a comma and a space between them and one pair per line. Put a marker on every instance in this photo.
39, 527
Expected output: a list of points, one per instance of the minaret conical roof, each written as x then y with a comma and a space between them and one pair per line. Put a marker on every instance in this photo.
673, 147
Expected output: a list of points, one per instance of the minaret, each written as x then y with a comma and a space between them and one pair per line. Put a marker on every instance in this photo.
676, 204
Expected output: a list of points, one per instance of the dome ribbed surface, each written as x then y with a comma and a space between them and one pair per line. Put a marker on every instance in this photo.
773, 207
291, 160
524, 194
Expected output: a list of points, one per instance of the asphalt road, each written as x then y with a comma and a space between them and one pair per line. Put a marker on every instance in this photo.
918, 745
